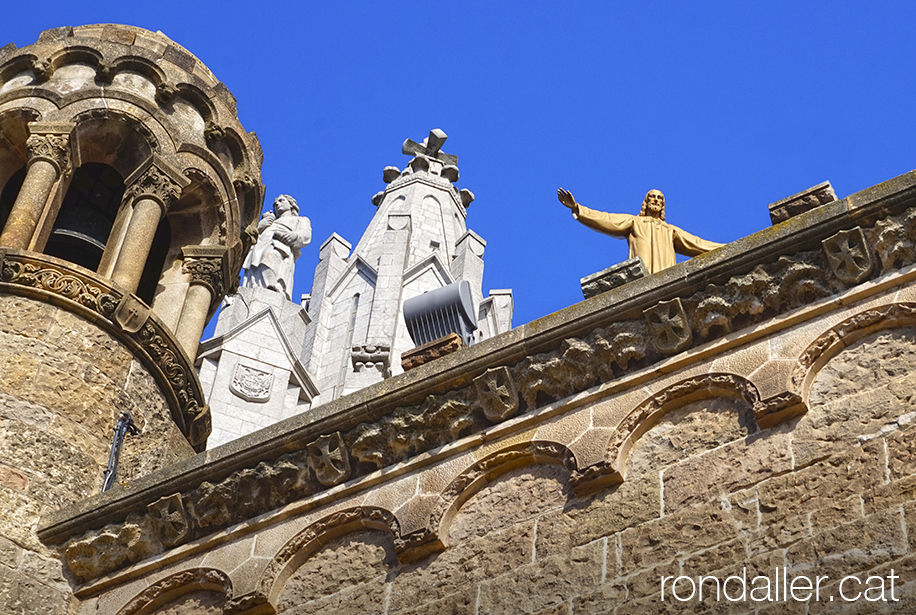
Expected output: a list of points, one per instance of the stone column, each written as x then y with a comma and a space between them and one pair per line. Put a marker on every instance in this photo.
151, 189
49, 158
207, 267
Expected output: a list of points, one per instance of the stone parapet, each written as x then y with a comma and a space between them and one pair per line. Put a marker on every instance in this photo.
753, 323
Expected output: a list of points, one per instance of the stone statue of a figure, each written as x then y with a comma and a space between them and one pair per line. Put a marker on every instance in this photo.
650, 237
272, 260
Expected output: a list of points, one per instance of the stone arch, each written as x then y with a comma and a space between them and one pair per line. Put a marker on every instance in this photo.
174, 586
114, 138
648, 413
137, 64
844, 334
310, 540
473, 480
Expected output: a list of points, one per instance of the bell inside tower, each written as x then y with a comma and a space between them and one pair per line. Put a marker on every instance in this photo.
86, 215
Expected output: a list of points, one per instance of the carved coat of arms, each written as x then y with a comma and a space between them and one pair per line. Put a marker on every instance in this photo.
251, 384
669, 327
497, 393
329, 459
849, 256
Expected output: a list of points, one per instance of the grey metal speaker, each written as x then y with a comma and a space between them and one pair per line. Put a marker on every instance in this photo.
437, 313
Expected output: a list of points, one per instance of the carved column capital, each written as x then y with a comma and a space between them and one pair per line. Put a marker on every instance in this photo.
155, 179
50, 142
207, 266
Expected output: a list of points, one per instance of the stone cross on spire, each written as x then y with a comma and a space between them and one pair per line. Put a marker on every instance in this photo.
431, 147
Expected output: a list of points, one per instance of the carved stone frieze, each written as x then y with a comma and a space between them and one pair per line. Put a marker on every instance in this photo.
409, 431
266, 486
497, 393
170, 520
251, 384
112, 548
53, 148
329, 459
573, 365
582, 363
893, 241
849, 256
669, 326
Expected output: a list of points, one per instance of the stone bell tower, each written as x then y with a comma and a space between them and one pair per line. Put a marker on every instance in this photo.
417, 241
127, 187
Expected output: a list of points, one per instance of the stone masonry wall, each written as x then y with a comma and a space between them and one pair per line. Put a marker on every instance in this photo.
828, 494
63, 383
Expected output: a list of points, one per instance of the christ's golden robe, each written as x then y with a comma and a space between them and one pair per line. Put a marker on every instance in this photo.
654, 241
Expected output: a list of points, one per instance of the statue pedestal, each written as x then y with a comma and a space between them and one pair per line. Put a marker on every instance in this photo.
612, 277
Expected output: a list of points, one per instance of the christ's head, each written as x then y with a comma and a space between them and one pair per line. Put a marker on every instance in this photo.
654, 205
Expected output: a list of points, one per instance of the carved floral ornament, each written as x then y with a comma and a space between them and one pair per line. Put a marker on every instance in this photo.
575, 365
52, 148
206, 271
155, 179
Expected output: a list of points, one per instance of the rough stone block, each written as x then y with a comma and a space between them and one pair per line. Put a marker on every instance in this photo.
726, 469
799, 203
601, 600
689, 530
648, 582
850, 548
422, 355
602, 514
613, 277
545, 583
786, 500
446, 573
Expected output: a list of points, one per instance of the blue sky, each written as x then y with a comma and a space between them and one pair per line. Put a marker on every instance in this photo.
724, 106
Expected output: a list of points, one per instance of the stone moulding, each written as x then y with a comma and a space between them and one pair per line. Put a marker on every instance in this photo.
175, 586
294, 553
588, 345
832, 341
83, 293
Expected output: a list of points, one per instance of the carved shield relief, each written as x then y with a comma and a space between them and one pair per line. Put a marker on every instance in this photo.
669, 327
329, 459
497, 393
170, 519
131, 313
251, 384
849, 256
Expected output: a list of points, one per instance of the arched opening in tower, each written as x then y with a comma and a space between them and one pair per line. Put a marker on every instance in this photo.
155, 262
86, 215
9, 193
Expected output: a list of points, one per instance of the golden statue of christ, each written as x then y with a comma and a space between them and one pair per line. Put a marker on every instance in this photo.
650, 237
